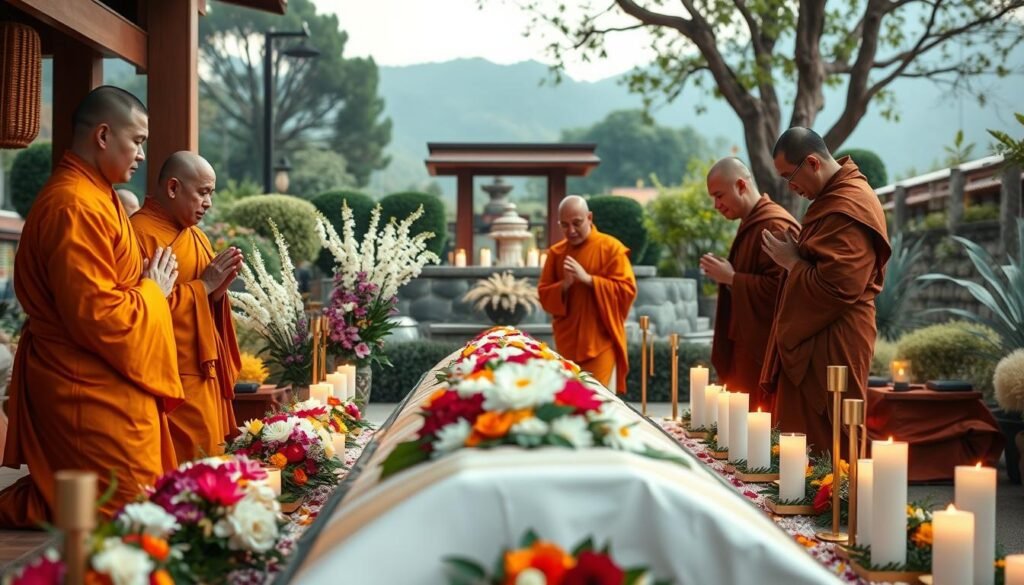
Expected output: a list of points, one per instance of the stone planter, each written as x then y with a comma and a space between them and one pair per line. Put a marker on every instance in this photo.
364, 381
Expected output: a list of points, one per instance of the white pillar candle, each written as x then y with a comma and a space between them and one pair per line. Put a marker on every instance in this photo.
739, 406
889, 503
350, 374
274, 479
975, 488
953, 547
723, 420
340, 384
792, 466
1014, 570
759, 439
532, 258
865, 481
698, 382
320, 392
711, 392
460, 258
485, 257
338, 442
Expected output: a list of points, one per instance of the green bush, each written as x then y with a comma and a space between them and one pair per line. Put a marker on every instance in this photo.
933, 221
223, 235
402, 205
983, 212
622, 218
295, 218
885, 352
329, 204
29, 172
659, 388
954, 350
870, 164
653, 254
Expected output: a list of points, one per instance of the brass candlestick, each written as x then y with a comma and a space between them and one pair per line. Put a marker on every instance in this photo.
323, 348
836, 385
853, 417
644, 323
76, 517
314, 326
673, 341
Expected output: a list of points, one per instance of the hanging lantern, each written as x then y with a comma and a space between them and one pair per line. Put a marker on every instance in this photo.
21, 71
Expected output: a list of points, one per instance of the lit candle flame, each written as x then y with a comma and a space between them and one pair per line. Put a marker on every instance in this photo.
890, 440
951, 508
901, 372
758, 409
978, 465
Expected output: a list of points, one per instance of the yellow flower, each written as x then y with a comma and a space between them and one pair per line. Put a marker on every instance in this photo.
253, 369
1001, 564
468, 351
826, 481
775, 449
923, 535
254, 426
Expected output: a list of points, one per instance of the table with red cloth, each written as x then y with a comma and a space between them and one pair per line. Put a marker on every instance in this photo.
266, 399
943, 429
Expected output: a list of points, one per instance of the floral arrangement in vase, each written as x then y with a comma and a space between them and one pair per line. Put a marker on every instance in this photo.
336, 416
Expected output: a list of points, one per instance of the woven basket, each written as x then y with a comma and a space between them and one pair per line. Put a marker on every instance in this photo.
21, 72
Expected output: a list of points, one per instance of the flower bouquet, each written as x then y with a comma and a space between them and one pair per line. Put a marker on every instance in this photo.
301, 450
336, 416
542, 562
274, 309
367, 276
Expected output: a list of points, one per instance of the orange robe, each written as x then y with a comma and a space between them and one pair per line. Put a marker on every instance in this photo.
744, 313
826, 309
208, 357
589, 322
95, 368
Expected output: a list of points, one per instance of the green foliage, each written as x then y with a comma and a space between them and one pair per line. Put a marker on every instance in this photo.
293, 216
891, 317
315, 170
932, 221
411, 360
654, 253
659, 387
330, 98
870, 164
402, 205
684, 220
885, 352
623, 218
223, 235
959, 151
1002, 293
954, 350
29, 172
1011, 149
330, 204
632, 148
983, 212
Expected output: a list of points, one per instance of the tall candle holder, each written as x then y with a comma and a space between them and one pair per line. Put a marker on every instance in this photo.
644, 324
673, 341
837, 380
323, 348
853, 417
76, 518
314, 330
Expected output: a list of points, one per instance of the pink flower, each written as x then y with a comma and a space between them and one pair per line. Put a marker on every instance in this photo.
577, 395
215, 486
362, 350
353, 411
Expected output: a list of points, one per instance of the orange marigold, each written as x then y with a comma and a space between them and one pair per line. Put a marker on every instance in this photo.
97, 578
544, 556
156, 547
278, 460
494, 425
922, 537
300, 476
161, 577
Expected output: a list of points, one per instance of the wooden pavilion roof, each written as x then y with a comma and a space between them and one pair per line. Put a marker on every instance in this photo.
503, 158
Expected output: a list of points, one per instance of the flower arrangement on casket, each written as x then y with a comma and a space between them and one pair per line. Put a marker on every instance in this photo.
508, 389
367, 276
302, 450
542, 562
336, 416
274, 309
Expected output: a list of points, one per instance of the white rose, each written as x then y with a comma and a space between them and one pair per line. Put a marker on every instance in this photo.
531, 426
518, 386
573, 429
307, 405
255, 526
451, 437
620, 433
278, 431
147, 518
531, 576
125, 565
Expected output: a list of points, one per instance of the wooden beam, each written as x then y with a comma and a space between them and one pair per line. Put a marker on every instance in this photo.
464, 216
77, 70
172, 83
556, 192
94, 25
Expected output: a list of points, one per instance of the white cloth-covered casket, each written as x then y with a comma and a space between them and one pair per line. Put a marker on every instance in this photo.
682, 522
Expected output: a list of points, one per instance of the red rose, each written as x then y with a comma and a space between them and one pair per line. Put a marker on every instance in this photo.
449, 408
577, 395
256, 446
823, 499
594, 569
293, 453
310, 467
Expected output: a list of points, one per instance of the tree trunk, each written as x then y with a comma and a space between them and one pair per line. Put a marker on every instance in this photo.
760, 133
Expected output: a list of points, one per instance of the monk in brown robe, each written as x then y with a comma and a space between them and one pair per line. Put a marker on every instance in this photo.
826, 309
208, 356
588, 287
95, 371
748, 281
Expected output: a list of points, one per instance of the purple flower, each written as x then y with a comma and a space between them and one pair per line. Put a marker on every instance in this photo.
362, 350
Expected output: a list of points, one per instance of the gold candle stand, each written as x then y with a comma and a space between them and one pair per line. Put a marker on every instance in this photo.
314, 331
673, 341
837, 380
76, 518
644, 324
853, 417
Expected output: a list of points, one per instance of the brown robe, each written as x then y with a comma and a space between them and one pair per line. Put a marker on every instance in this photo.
826, 309
743, 317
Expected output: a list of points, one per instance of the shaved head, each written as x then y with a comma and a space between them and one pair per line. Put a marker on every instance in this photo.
803, 160
574, 202
109, 127
732, 188
187, 182
183, 165
731, 168
105, 105
798, 142
129, 201
575, 219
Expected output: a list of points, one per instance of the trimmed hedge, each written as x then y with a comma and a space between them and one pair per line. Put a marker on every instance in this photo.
955, 350
869, 163
29, 172
329, 204
295, 218
402, 205
412, 358
623, 218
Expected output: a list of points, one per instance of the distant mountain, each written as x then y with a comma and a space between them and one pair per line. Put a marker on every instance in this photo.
476, 100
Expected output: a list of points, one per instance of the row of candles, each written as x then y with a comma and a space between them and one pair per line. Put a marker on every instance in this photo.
534, 258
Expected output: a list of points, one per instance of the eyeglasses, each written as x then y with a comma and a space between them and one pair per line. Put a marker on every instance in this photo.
795, 171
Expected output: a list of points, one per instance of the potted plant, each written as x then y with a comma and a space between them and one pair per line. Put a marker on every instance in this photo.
1009, 384
505, 298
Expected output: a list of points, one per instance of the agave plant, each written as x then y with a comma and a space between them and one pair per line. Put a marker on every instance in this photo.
890, 318
503, 291
1002, 292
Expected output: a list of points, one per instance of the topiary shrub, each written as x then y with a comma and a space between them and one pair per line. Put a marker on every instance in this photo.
224, 235
402, 205
295, 218
653, 255
329, 204
983, 212
622, 218
659, 387
954, 350
1009, 382
29, 172
411, 360
870, 164
885, 352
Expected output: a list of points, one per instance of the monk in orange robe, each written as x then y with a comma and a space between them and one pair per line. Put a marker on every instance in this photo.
95, 371
587, 285
748, 281
826, 309
208, 357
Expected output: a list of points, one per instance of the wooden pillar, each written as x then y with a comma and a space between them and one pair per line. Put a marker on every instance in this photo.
172, 83
899, 214
556, 192
464, 216
955, 209
1010, 211
77, 70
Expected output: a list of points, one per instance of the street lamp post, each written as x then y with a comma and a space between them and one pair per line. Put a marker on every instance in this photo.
302, 51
